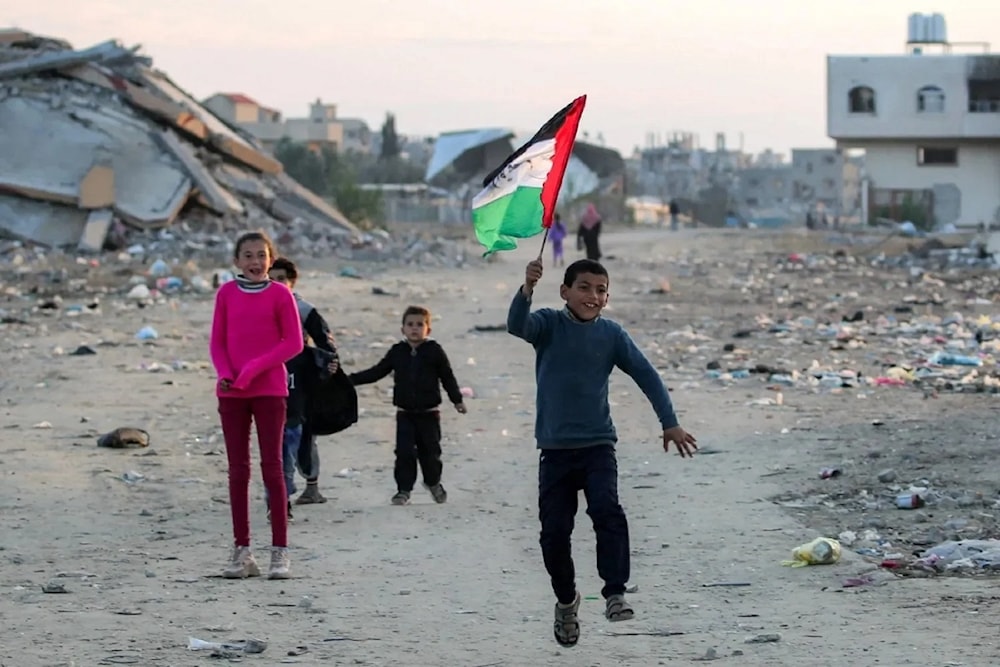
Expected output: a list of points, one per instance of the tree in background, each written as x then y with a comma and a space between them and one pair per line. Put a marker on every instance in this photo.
304, 165
390, 139
331, 177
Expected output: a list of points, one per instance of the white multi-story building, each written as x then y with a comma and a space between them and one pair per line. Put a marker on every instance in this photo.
929, 124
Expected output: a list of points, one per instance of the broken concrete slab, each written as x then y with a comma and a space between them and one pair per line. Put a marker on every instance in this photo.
49, 225
108, 52
158, 107
301, 196
243, 182
95, 232
54, 151
211, 193
97, 187
222, 137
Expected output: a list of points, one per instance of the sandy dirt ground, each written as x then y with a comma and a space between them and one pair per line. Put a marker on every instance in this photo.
138, 538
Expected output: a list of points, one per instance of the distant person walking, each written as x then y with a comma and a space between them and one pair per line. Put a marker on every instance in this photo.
675, 210
589, 233
556, 236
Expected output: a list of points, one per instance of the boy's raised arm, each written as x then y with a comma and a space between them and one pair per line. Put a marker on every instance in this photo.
630, 359
521, 322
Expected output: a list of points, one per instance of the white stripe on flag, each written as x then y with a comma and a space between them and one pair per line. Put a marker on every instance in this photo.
529, 170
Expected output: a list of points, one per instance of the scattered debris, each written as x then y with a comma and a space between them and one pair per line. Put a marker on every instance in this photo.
124, 438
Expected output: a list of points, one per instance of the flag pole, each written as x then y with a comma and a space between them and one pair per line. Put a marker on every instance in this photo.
544, 239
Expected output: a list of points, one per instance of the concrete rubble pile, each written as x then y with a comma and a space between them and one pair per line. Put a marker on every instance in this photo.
99, 150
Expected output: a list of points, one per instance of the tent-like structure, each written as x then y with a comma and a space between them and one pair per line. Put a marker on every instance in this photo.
461, 158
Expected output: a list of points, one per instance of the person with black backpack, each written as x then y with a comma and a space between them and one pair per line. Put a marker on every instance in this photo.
323, 349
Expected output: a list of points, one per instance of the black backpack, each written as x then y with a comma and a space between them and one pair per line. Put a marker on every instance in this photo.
332, 400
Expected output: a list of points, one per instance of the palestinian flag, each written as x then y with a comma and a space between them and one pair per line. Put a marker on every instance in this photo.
519, 197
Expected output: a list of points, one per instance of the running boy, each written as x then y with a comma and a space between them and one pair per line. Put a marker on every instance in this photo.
576, 350
315, 327
419, 366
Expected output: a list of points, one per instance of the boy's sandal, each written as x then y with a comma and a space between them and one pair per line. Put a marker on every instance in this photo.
618, 609
566, 627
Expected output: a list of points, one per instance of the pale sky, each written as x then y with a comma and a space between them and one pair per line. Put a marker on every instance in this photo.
706, 66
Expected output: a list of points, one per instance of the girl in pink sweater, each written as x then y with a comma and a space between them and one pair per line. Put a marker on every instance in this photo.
255, 330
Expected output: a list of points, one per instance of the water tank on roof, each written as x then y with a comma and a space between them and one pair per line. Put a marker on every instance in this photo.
926, 29
916, 29
938, 30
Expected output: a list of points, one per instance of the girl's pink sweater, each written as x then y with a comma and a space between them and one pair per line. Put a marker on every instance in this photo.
253, 334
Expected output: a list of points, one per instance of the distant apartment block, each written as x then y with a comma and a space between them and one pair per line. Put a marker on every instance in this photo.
929, 123
321, 129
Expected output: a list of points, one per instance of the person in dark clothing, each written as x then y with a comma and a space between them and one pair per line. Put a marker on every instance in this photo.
419, 366
675, 210
314, 327
588, 235
299, 370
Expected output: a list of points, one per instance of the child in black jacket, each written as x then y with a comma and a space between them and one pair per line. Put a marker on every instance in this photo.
419, 366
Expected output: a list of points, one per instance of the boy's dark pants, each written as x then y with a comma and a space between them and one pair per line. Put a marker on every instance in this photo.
308, 455
562, 474
418, 439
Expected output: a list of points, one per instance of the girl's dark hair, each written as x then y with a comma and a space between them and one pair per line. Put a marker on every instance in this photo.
255, 236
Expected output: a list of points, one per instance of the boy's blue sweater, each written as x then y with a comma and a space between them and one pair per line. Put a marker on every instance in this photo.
573, 362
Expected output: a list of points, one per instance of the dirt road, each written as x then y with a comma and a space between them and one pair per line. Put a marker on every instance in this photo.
461, 583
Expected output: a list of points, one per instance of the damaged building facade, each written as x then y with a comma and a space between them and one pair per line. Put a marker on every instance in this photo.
928, 121
764, 188
96, 138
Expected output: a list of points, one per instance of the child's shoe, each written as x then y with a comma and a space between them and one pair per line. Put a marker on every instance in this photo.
440, 495
401, 498
242, 564
281, 564
567, 624
617, 609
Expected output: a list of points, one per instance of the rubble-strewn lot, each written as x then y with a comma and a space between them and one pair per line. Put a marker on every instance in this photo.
749, 329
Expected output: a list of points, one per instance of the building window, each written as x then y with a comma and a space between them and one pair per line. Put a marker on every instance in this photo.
861, 99
930, 99
941, 157
984, 96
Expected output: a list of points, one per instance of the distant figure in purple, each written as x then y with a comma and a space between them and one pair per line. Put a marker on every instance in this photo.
557, 233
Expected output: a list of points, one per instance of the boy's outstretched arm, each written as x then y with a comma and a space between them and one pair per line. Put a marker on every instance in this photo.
521, 322
448, 381
630, 359
375, 373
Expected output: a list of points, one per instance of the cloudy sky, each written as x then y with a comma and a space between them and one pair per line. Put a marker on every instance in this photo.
755, 67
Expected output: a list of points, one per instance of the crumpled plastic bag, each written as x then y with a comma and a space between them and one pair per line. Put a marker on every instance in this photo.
821, 551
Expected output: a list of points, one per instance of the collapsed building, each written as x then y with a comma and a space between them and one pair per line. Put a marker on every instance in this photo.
96, 144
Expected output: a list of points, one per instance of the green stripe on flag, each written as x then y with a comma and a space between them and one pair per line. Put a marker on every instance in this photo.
515, 216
